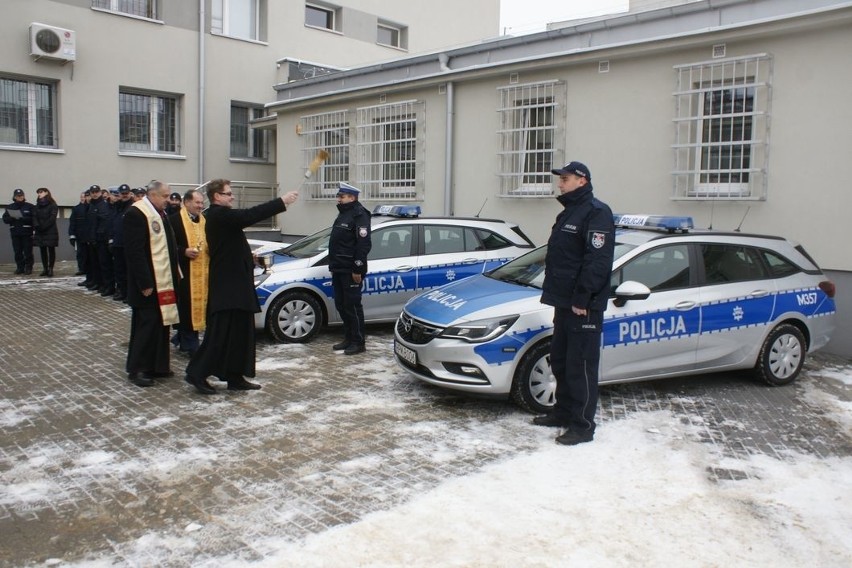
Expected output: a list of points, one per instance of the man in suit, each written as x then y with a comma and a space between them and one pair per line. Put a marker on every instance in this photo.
190, 234
227, 350
152, 283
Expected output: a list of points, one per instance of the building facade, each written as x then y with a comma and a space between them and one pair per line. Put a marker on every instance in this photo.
125, 91
731, 112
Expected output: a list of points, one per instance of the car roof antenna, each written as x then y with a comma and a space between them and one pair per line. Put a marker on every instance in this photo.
481, 208
737, 230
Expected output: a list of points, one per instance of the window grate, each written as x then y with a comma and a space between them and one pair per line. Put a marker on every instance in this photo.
532, 119
27, 113
722, 114
390, 150
246, 142
330, 132
141, 8
147, 123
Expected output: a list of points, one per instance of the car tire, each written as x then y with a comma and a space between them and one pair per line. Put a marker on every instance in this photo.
534, 387
781, 356
294, 317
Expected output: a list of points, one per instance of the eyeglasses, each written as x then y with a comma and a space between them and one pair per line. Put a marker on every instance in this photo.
228, 193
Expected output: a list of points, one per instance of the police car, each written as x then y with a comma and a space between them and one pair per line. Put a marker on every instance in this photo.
410, 254
681, 302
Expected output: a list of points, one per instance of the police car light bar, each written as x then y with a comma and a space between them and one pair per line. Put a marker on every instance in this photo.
668, 223
397, 210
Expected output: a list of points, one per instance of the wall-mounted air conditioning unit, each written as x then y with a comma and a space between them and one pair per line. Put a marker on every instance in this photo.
50, 42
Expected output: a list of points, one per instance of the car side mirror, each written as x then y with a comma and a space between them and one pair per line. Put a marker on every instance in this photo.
264, 261
630, 290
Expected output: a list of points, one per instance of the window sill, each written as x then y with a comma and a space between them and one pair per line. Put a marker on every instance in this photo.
396, 47
245, 39
127, 154
259, 162
531, 190
125, 15
323, 29
35, 149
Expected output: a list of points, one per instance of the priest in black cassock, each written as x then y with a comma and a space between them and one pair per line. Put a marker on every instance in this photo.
227, 350
152, 282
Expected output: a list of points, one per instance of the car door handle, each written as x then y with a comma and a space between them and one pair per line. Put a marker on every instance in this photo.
685, 305
470, 261
759, 294
404, 268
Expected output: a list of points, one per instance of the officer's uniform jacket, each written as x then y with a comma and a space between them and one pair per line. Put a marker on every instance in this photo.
350, 242
98, 221
23, 226
580, 251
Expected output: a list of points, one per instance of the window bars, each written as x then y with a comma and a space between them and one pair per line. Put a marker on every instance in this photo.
532, 119
330, 132
389, 150
722, 114
147, 123
246, 142
141, 8
27, 113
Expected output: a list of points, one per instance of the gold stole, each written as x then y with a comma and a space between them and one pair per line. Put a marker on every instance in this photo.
198, 268
165, 288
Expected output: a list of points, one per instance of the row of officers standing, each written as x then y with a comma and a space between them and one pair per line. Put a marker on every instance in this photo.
96, 233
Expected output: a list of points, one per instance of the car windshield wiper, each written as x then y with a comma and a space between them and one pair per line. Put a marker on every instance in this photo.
518, 281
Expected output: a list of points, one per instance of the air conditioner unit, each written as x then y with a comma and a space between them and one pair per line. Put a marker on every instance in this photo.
50, 42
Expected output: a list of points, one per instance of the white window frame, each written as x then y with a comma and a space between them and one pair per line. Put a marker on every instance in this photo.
397, 32
257, 141
390, 166
35, 89
331, 11
722, 154
221, 22
529, 149
151, 8
155, 102
329, 132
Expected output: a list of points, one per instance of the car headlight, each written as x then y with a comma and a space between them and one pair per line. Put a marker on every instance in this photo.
480, 330
259, 278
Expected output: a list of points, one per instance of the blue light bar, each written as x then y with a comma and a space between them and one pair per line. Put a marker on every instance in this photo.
397, 210
669, 223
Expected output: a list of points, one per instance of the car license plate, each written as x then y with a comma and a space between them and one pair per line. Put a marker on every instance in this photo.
406, 354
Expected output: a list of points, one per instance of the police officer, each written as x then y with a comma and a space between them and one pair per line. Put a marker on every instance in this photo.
99, 272
578, 266
76, 230
125, 200
19, 216
174, 204
348, 247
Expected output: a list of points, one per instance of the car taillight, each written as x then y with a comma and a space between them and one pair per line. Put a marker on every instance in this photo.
827, 286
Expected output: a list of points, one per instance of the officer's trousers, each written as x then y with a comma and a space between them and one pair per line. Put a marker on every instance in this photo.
347, 300
22, 245
575, 354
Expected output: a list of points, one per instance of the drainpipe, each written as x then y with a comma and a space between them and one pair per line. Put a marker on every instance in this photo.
201, 92
444, 61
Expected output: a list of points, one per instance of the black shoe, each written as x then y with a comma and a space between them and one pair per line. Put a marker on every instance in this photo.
242, 385
19, 271
92, 286
79, 273
166, 375
50, 273
85, 283
140, 381
43, 272
341, 346
201, 385
354, 349
549, 420
571, 438
108, 292
28, 270
119, 297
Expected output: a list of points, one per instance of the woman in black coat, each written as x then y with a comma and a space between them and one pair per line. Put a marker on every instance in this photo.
46, 236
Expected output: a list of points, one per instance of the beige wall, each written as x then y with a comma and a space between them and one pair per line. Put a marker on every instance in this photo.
114, 51
620, 124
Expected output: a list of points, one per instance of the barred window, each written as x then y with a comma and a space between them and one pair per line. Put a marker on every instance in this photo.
247, 142
148, 123
329, 132
142, 8
722, 111
389, 142
27, 113
532, 118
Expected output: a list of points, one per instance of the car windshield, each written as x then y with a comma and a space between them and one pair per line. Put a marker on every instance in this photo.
528, 270
310, 246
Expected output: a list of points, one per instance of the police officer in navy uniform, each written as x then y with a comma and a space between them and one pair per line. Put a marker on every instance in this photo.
578, 266
19, 216
76, 230
348, 248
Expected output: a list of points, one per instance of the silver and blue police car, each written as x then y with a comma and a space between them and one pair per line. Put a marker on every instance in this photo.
682, 301
410, 254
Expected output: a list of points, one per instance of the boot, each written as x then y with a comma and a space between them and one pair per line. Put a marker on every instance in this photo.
50, 272
43, 272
